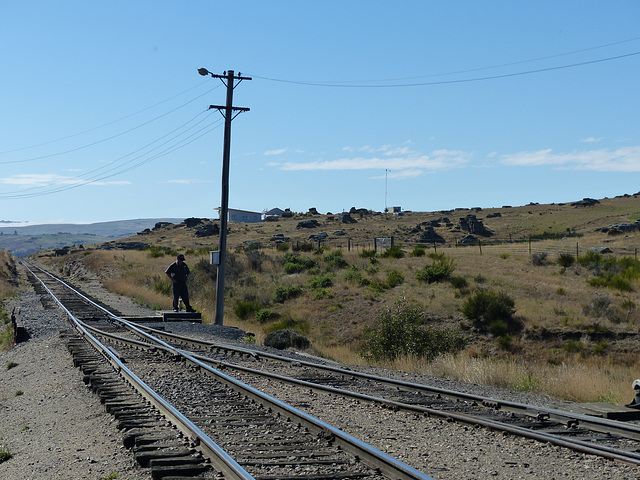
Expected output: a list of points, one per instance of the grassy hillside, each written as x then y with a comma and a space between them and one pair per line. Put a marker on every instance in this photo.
565, 322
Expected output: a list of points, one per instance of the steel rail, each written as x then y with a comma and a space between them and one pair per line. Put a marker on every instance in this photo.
374, 458
219, 458
574, 444
601, 425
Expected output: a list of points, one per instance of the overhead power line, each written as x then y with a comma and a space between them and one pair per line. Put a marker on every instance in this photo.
445, 82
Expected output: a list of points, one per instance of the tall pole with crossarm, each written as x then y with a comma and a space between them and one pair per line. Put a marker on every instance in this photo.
229, 112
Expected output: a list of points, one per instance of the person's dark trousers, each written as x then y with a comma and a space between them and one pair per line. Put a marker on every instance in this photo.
180, 290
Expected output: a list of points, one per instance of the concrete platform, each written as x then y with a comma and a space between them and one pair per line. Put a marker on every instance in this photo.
606, 410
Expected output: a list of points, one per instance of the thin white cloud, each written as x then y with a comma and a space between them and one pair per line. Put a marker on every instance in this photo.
47, 179
400, 175
592, 139
626, 159
279, 151
186, 181
393, 158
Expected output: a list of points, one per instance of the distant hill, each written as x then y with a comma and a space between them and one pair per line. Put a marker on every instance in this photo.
22, 241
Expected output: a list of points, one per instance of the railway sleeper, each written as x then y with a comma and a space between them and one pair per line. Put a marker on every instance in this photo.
332, 476
158, 446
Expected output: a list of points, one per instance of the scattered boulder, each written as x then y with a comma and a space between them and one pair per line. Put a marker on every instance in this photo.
282, 339
429, 235
160, 225
339, 233
319, 237
207, 230
307, 224
279, 238
287, 214
359, 211
620, 228
313, 211
585, 202
494, 215
347, 218
601, 250
474, 226
132, 245
468, 240
192, 222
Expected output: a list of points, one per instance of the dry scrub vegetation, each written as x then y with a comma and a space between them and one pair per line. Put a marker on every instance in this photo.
563, 321
8, 288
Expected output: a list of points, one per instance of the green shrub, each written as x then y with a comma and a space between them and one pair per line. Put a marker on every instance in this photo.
264, 315
295, 264
323, 294
401, 332
245, 308
491, 311
440, 269
5, 454
395, 251
458, 282
566, 260
302, 247
366, 253
320, 281
300, 326
283, 247
335, 261
284, 293
394, 278
418, 252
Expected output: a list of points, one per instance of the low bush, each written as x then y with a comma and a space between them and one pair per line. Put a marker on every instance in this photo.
418, 252
245, 308
284, 293
491, 311
395, 251
566, 260
401, 331
539, 258
296, 264
335, 261
440, 269
320, 281
394, 278
264, 315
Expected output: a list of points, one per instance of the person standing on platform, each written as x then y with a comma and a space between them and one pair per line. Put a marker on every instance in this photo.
178, 272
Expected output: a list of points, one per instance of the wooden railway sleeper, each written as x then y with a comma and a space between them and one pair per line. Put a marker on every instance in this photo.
171, 455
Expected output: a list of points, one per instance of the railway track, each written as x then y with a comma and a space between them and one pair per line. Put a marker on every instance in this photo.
183, 417
142, 345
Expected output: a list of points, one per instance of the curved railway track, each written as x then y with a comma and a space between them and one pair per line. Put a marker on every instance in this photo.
142, 345
183, 417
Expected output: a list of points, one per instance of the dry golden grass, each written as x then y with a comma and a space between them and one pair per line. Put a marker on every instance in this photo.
550, 300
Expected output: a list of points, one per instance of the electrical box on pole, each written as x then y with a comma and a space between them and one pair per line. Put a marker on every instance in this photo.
229, 112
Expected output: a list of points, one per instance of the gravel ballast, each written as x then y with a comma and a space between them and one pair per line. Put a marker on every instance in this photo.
56, 428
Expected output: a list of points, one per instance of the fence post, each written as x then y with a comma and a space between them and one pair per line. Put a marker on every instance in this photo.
577, 250
529, 244
435, 249
480, 245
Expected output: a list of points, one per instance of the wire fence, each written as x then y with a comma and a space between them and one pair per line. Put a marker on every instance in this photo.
493, 246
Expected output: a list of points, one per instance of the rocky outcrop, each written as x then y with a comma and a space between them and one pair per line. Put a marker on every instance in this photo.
620, 228
307, 224
474, 226
585, 202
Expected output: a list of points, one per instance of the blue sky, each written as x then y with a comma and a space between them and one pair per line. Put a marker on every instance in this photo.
420, 104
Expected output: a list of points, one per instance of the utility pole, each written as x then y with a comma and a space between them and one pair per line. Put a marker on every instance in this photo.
229, 112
